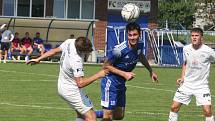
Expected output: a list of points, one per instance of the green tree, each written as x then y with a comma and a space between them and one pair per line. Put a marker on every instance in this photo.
205, 14
176, 12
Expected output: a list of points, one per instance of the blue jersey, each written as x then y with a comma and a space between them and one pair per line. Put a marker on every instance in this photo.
113, 86
124, 58
38, 40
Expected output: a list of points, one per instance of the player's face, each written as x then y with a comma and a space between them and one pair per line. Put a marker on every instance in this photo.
196, 39
133, 37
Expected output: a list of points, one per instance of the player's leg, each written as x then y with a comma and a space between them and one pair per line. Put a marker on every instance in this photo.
116, 114
30, 50
107, 115
5, 55
207, 110
182, 96
0, 54
203, 98
90, 115
108, 99
42, 49
119, 111
173, 114
78, 100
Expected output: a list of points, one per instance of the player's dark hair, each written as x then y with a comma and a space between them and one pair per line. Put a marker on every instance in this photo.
132, 26
198, 30
83, 44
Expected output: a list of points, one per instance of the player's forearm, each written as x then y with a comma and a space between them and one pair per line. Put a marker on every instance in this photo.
50, 53
83, 82
145, 62
115, 70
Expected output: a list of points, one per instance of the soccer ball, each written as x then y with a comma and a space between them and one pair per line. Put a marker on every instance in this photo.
130, 12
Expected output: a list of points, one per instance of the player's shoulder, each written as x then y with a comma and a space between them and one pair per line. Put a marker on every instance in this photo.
121, 46
206, 46
186, 47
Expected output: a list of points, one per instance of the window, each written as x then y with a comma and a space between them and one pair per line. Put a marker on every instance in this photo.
87, 9
37, 8
58, 8
73, 9
23, 8
8, 7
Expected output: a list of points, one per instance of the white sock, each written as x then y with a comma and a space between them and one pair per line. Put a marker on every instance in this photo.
173, 116
79, 119
209, 118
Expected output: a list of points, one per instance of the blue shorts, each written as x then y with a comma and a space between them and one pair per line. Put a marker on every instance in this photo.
112, 94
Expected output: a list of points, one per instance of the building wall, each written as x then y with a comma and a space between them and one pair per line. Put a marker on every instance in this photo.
100, 26
1, 4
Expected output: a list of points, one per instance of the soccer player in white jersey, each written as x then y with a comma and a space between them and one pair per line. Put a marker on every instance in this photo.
194, 77
71, 76
6, 39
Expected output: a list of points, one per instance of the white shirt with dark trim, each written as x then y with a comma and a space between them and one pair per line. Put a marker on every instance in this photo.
71, 64
197, 66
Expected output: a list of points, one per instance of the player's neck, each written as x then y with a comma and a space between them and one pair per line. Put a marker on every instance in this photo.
196, 47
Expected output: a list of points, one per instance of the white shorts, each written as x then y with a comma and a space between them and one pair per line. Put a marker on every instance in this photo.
184, 96
75, 97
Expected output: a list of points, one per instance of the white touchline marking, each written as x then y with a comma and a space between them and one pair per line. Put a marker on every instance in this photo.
24, 80
28, 73
34, 106
58, 108
141, 87
150, 88
155, 89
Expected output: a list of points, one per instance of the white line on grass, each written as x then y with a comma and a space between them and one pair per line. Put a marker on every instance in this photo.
27, 73
35, 106
141, 87
57, 108
24, 80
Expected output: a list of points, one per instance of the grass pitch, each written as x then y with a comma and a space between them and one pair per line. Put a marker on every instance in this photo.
29, 93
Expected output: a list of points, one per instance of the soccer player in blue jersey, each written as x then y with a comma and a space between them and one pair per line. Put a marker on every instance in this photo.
120, 63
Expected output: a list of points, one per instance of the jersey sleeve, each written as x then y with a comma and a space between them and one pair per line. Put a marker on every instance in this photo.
184, 55
63, 45
77, 67
212, 55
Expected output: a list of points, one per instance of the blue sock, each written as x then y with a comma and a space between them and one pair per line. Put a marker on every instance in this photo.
99, 114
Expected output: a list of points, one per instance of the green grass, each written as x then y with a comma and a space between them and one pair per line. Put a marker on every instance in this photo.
29, 93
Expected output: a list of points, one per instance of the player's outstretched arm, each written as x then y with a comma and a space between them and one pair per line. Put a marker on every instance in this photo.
84, 81
50, 53
127, 75
145, 62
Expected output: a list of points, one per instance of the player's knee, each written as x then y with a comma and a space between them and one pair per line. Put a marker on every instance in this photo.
90, 116
207, 112
108, 116
175, 108
118, 116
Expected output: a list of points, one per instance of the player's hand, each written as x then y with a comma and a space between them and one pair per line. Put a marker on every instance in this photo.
33, 61
129, 76
103, 73
179, 81
154, 77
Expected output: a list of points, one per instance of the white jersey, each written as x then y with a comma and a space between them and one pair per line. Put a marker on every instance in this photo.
71, 64
197, 66
6, 36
